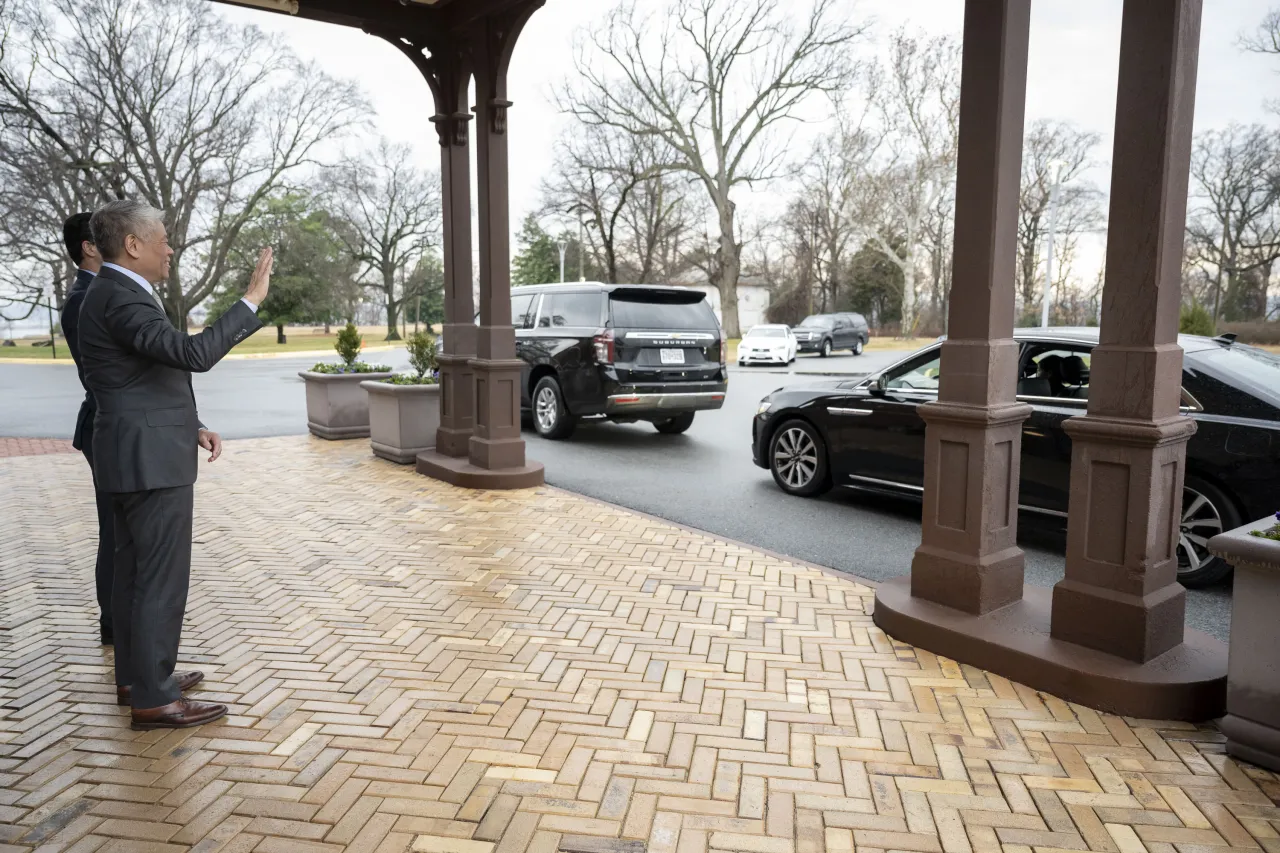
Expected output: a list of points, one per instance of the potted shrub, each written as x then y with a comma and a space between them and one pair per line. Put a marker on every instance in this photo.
337, 407
1252, 723
404, 410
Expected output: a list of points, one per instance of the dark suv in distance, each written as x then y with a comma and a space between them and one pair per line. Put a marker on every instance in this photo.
824, 333
623, 353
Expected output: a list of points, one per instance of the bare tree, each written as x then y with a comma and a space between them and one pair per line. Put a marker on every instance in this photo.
616, 183
713, 81
392, 214
1266, 37
918, 99
1054, 149
1234, 226
204, 119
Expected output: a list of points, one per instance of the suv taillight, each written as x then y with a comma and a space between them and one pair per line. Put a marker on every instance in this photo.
604, 347
724, 352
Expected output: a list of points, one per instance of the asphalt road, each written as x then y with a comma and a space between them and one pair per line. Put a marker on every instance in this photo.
703, 479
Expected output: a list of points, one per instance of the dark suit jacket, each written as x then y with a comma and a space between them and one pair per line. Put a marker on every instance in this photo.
138, 368
70, 323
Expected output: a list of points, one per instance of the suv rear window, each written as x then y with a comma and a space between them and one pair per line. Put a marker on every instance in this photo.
676, 310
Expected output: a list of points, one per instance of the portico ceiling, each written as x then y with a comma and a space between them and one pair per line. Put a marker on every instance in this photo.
380, 15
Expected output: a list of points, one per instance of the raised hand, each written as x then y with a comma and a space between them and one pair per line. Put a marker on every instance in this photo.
260, 281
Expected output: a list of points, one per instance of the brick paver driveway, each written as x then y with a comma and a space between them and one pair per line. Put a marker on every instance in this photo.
413, 667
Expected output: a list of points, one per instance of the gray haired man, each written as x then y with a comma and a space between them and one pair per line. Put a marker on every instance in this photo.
146, 439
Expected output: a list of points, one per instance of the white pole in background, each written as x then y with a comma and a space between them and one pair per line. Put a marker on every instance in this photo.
562, 246
1053, 226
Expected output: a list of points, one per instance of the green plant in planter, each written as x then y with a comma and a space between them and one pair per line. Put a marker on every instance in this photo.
1272, 532
422, 356
348, 347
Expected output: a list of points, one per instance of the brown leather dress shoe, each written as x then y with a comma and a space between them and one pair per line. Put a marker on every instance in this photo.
182, 714
186, 680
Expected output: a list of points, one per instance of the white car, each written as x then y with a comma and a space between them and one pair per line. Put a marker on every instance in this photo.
771, 344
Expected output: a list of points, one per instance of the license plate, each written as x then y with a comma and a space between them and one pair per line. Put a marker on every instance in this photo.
671, 356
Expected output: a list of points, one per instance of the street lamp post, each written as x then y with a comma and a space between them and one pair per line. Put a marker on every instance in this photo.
562, 245
1054, 195
582, 276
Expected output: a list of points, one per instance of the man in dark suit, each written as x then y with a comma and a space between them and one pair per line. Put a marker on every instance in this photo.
146, 438
80, 248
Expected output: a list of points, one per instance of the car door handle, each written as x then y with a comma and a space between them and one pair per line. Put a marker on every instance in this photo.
836, 410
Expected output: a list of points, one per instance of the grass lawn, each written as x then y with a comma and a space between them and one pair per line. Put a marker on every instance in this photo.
263, 341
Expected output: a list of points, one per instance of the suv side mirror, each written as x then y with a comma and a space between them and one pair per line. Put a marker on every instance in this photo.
880, 385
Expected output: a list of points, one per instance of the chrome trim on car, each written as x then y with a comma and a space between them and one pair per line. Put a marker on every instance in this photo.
837, 410
1054, 401
889, 483
687, 401
1041, 511
920, 489
672, 336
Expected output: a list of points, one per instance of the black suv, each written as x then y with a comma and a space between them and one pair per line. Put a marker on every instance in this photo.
617, 352
823, 333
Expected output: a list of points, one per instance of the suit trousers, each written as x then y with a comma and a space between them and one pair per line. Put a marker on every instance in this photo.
105, 568
149, 595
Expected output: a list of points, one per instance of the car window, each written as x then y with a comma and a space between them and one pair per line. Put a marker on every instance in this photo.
1060, 371
1256, 371
920, 374
767, 333
817, 320
570, 309
522, 308
674, 311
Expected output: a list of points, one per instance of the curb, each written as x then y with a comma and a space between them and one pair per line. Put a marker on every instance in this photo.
320, 353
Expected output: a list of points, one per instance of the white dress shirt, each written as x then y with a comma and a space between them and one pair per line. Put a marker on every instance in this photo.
151, 291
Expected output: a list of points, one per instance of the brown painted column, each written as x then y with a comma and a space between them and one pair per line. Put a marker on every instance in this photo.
457, 381
440, 57
496, 442
1121, 594
969, 558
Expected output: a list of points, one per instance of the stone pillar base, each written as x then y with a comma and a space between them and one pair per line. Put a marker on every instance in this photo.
460, 472
1121, 593
969, 558
496, 443
1189, 682
457, 404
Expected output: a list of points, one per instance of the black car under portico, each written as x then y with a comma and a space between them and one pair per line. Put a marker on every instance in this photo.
866, 433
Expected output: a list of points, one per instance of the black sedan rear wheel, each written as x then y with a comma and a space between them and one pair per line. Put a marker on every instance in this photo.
1206, 512
798, 459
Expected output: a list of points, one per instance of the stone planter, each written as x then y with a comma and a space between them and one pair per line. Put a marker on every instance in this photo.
403, 419
337, 407
1252, 723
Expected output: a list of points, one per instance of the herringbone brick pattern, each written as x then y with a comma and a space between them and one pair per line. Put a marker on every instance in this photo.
413, 667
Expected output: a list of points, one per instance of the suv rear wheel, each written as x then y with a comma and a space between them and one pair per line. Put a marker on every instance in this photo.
550, 417
826, 348
674, 425
857, 347
798, 459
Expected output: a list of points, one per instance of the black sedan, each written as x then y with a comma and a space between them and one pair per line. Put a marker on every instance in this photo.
866, 434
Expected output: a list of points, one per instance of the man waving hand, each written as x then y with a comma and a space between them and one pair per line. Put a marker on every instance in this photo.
146, 438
